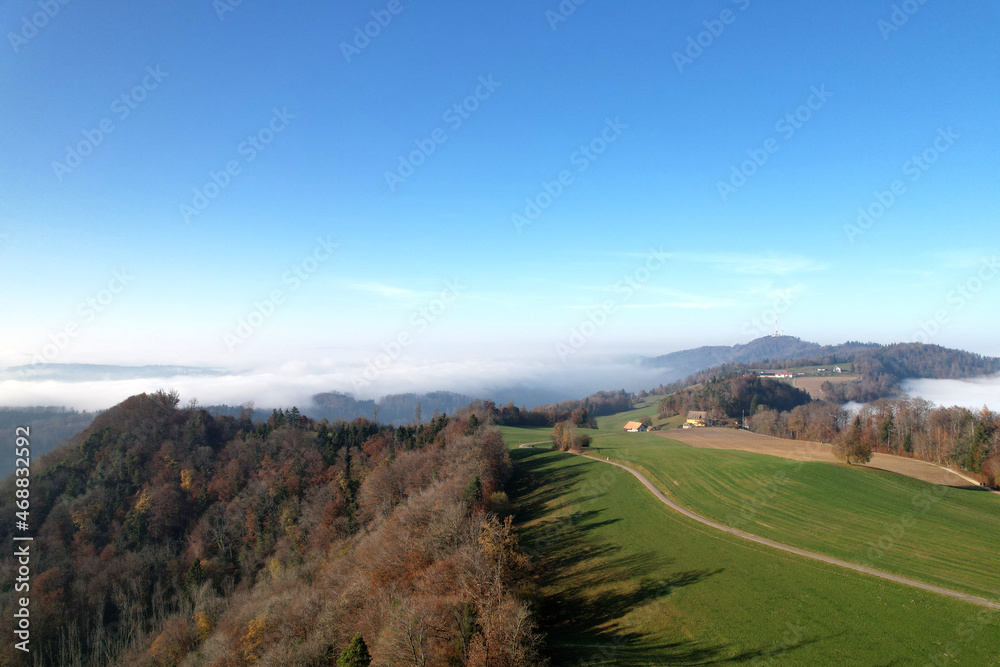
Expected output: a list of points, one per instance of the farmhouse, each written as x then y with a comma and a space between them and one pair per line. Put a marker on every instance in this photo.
697, 418
635, 427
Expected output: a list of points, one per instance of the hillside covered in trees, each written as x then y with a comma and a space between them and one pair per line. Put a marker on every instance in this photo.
678, 365
168, 536
392, 408
732, 396
883, 368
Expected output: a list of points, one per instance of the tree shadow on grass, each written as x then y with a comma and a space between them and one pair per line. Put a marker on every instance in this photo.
541, 477
597, 584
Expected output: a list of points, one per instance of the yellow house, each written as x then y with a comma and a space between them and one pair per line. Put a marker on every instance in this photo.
696, 418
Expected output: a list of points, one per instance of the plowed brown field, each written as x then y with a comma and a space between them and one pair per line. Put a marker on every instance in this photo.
801, 450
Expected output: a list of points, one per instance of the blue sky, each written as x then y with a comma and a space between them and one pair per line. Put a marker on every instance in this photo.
329, 127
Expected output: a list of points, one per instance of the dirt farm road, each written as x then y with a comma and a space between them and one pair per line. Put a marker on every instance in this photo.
982, 602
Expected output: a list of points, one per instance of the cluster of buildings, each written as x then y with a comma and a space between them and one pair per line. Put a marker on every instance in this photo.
788, 376
694, 418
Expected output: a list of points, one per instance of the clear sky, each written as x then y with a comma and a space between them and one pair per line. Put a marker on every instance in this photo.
500, 181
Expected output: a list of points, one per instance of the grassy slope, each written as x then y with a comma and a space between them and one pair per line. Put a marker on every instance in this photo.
628, 582
941, 535
944, 536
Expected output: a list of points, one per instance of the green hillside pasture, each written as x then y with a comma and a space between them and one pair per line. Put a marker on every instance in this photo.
628, 582
519, 435
941, 535
616, 422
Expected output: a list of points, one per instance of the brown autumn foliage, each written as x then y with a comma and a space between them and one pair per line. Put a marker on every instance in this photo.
167, 536
910, 427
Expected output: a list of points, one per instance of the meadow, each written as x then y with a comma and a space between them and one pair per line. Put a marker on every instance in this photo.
941, 535
626, 581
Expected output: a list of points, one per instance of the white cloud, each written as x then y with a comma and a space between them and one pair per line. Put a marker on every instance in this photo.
768, 264
294, 383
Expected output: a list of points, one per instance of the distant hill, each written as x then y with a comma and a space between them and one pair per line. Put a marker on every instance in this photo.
679, 365
393, 408
881, 367
99, 372
50, 427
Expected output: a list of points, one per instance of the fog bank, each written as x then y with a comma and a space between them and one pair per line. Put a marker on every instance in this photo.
972, 394
525, 382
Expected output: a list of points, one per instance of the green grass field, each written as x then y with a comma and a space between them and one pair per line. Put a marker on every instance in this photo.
626, 581
944, 536
516, 435
646, 408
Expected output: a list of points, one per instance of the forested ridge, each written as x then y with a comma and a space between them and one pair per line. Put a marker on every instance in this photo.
881, 368
168, 536
731, 396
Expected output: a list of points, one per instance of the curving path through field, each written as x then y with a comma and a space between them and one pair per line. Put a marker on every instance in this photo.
982, 602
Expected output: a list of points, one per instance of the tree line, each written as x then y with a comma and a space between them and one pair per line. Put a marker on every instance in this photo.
911, 427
